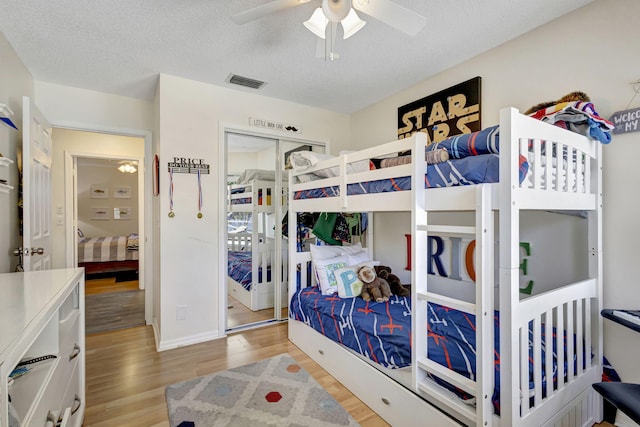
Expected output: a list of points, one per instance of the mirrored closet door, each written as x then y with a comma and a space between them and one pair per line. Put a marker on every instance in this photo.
256, 207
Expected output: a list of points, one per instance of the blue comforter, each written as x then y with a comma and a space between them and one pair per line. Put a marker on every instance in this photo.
239, 269
382, 333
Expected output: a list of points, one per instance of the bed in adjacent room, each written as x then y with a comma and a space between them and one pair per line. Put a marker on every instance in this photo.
108, 254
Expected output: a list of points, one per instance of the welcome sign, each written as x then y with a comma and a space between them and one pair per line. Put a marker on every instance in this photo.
450, 112
626, 121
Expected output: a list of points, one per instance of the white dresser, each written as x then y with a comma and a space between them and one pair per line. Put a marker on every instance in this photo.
42, 314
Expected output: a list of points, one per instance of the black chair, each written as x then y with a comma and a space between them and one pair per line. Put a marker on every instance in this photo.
624, 396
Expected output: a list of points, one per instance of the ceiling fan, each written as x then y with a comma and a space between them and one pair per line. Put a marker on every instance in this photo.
325, 19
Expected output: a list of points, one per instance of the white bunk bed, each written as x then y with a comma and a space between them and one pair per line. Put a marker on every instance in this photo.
570, 183
250, 250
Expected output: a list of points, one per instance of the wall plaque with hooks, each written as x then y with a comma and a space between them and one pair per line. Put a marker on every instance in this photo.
188, 165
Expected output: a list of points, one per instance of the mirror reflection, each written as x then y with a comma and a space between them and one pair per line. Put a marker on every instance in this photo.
257, 286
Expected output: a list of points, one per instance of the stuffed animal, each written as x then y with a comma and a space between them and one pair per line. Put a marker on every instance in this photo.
396, 287
374, 288
570, 97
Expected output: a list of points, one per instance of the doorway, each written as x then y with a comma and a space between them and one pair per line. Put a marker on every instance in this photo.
104, 198
256, 291
108, 242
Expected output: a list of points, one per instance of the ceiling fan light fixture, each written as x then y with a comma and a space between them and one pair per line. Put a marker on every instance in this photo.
127, 168
317, 24
352, 24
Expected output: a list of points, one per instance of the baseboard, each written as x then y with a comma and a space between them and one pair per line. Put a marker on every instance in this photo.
189, 340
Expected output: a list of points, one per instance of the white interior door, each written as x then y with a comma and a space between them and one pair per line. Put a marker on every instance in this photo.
36, 188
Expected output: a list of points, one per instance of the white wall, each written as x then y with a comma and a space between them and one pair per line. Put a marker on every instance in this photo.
15, 82
106, 174
190, 116
595, 50
71, 107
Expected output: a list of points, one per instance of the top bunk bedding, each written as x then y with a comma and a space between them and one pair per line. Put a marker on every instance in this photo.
474, 158
254, 187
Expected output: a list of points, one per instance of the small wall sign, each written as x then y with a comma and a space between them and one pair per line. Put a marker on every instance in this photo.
188, 165
626, 121
268, 124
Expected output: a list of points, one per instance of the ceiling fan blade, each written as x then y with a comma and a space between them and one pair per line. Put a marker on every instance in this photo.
392, 14
264, 10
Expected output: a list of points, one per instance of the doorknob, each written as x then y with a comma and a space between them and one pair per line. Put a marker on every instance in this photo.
19, 251
37, 251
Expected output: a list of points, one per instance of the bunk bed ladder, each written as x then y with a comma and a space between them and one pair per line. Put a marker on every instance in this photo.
481, 387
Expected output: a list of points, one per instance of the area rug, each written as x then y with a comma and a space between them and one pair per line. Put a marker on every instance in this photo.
271, 392
113, 310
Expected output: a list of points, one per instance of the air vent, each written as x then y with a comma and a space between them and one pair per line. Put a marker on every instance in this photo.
245, 81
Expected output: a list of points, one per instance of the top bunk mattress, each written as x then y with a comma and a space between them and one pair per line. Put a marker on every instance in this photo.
466, 171
473, 158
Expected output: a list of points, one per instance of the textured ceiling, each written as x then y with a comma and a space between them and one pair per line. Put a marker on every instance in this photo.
120, 46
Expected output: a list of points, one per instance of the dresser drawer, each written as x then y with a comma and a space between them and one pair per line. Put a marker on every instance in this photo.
51, 398
73, 398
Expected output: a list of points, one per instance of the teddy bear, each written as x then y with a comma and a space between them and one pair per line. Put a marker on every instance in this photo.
570, 97
374, 287
396, 287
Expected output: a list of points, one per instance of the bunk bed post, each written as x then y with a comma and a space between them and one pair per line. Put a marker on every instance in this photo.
484, 306
292, 236
594, 221
343, 181
255, 243
509, 270
418, 252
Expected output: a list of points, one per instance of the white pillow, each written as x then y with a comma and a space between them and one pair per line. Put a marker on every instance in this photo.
358, 258
330, 251
349, 285
325, 273
302, 160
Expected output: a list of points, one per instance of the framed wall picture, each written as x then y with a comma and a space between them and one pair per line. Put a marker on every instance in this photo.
122, 192
99, 191
100, 213
122, 213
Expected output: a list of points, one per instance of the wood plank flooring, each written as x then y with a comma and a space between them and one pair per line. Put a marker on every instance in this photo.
126, 377
108, 284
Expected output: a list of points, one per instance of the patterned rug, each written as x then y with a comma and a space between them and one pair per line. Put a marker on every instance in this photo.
271, 392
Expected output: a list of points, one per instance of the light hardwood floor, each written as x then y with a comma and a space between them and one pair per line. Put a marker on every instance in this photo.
108, 284
238, 314
126, 377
